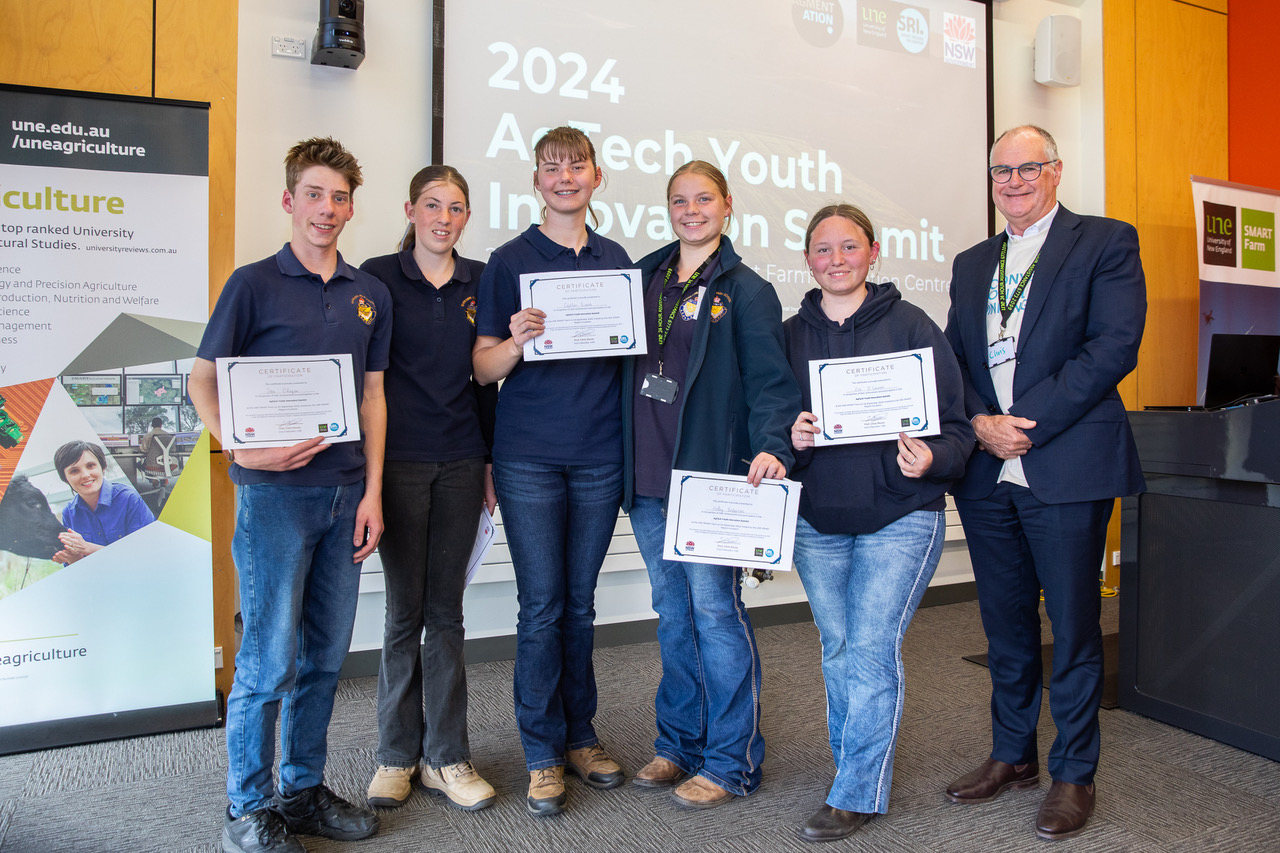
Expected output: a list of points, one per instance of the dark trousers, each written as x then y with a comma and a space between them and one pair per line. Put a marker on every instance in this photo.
431, 511
1020, 546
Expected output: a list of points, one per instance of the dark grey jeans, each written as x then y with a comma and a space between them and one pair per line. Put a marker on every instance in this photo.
431, 510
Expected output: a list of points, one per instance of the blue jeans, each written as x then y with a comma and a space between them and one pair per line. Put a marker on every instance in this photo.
431, 510
559, 520
863, 590
708, 701
298, 592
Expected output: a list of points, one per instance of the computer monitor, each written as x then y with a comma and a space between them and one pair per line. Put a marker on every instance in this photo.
1241, 368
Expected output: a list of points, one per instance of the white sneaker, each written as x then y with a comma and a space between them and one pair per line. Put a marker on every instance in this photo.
391, 786
460, 783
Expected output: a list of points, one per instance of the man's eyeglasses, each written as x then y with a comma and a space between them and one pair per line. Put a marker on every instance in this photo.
1027, 171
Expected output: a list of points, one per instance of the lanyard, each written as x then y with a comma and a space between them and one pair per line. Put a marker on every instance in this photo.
1006, 308
665, 320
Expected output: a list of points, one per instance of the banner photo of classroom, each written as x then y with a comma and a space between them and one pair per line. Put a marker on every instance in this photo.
1239, 286
106, 615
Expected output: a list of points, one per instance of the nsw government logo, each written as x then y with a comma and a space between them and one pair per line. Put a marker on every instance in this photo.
819, 22
959, 40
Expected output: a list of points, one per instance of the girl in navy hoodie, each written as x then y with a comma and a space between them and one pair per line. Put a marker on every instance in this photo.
871, 525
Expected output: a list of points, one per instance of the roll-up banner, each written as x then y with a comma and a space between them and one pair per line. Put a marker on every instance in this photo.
106, 615
1239, 286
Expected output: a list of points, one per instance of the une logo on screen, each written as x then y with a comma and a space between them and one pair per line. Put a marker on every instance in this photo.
819, 22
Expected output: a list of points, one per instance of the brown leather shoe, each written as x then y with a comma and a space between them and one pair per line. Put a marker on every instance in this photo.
831, 824
1065, 811
594, 766
700, 793
991, 780
659, 773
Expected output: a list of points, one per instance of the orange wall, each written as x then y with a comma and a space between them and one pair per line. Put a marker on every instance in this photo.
1253, 123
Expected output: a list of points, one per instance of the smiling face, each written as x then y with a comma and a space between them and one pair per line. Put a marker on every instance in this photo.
438, 215
85, 476
698, 210
840, 256
566, 184
1024, 203
320, 205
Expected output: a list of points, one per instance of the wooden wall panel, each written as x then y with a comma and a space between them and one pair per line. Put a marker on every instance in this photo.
1181, 130
196, 60
84, 45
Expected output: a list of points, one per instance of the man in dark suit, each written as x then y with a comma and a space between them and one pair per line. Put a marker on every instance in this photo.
1046, 319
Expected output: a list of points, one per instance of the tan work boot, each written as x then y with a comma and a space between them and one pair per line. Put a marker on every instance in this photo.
391, 786
460, 783
595, 767
659, 773
546, 791
700, 793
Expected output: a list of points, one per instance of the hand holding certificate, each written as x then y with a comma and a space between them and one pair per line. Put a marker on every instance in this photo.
724, 520
589, 313
278, 401
875, 397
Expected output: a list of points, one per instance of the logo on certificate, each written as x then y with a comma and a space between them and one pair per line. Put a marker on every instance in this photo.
688, 546
547, 344
613, 339
759, 552
322, 427
625, 339
248, 431
837, 429
906, 422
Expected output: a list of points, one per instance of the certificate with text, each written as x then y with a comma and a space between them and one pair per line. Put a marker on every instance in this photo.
276, 401
590, 313
724, 520
874, 397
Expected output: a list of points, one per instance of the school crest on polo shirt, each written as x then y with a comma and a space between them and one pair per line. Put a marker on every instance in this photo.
469, 306
365, 309
720, 306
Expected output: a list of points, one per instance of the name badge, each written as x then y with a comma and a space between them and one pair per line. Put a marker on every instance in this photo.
1001, 351
660, 388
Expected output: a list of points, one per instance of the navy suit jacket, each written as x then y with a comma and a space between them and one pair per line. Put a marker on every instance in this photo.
1086, 306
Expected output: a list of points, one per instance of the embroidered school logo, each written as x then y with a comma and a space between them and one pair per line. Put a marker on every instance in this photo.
469, 306
719, 306
689, 308
365, 309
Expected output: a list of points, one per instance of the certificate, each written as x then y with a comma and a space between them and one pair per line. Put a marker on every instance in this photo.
276, 401
589, 313
723, 519
874, 397
484, 541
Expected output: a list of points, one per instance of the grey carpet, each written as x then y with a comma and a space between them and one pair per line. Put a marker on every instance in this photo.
1160, 788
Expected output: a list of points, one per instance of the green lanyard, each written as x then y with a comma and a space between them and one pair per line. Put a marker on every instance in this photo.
1006, 308
665, 326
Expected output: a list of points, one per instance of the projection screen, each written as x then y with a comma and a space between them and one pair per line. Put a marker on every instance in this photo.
799, 102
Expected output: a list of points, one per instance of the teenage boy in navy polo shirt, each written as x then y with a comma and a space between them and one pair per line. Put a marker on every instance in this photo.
306, 515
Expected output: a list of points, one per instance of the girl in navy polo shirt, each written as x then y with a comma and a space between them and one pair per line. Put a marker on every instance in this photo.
557, 466
435, 479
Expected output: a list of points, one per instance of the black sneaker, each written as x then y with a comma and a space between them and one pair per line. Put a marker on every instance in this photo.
319, 811
262, 831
